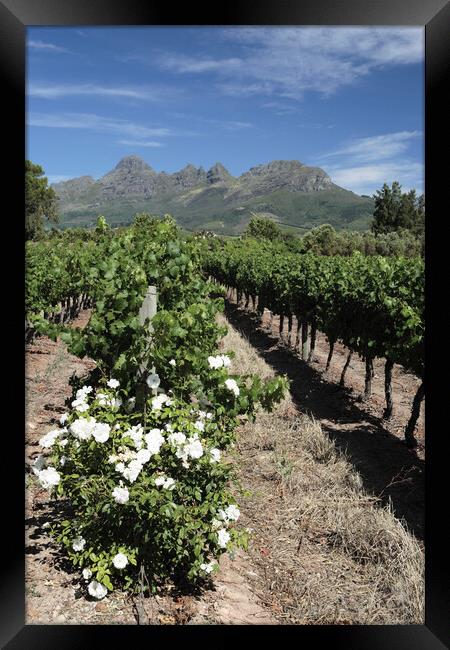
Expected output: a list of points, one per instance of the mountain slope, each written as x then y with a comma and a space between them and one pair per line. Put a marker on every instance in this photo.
292, 193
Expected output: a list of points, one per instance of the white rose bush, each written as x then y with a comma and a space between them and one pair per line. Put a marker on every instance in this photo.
147, 485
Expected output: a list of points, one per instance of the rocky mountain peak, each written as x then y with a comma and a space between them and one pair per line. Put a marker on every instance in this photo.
291, 175
131, 164
218, 174
276, 167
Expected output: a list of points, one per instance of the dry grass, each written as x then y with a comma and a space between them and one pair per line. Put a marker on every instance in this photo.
326, 552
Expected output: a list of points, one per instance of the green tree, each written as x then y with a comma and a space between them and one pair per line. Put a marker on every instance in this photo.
396, 210
261, 228
40, 201
321, 240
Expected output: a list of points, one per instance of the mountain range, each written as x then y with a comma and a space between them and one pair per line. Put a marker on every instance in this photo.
291, 193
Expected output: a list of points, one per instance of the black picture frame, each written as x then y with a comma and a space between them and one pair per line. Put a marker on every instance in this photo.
434, 15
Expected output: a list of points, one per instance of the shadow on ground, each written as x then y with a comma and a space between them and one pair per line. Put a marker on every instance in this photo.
388, 469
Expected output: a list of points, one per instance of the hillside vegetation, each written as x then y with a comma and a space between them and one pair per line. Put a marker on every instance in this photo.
292, 193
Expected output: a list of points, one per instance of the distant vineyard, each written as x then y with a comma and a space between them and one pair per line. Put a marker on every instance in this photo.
373, 305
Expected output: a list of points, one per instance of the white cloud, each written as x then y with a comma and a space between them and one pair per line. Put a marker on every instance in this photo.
364, 164
96, 123
184, 64
288, 61
229, 125
55, 91
366, 179
40, 45
137, 143
376, 147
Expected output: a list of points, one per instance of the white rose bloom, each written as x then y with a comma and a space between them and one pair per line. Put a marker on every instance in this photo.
226, 361
87, 573
120, 494
216, 523
177, 438
156, 404
165, 481
120, 561
82, 393
168, 427
194, 448
113, 383
132, 471
199, 425
102, 399
222, 514
172, 362
232, 385
101, 432
117, 402
78, 544
135, 433
159, 400
154, 440
64, 442
38, 465
120, 467
63, 418
209, 416
49, 477
208, 568
202, 414
62, 460
215, 455
97, 590
215, 362
223, 537
112, 459
49, 439
169, 483
143, 456
83, 428
182, 453
153, 380
232, 512
79, 404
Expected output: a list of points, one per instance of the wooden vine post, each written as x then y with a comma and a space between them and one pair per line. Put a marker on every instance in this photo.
344, 370
304, 340
368, 380
147, 311
388, 389
313, 341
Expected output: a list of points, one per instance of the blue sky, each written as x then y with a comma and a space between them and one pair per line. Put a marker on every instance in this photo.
347, 99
